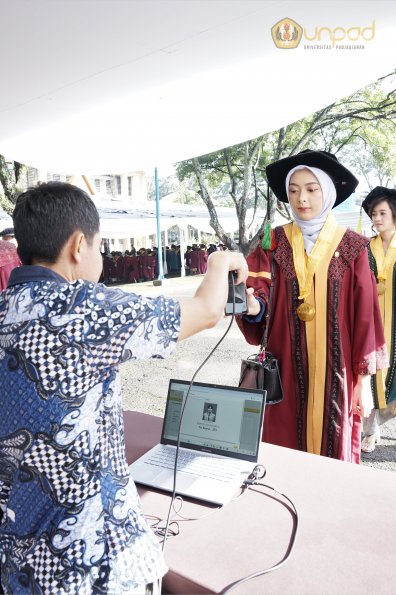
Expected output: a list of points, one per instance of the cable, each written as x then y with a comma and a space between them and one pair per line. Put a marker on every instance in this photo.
182, 413
259, 472
180, 500
252, 481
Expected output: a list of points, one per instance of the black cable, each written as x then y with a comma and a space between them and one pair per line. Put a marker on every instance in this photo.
258, 472
252, 481
182, 413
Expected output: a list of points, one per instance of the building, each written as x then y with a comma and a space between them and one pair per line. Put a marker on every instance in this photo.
129, 220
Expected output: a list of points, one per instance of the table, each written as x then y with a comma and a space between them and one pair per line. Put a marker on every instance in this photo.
347, 527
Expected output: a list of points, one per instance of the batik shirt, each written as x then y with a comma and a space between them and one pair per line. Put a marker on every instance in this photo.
70, 517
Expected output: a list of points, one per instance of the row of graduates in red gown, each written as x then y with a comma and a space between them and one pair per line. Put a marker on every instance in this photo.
136, 266
130, 267
9, 258
196, 260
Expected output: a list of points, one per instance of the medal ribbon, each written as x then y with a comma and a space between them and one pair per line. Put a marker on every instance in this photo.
306, 267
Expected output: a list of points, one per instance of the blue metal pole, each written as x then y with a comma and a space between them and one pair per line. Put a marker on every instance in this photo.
158, 216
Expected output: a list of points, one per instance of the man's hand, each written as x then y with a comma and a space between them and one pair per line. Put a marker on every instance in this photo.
206, 308
362, 399
236, 262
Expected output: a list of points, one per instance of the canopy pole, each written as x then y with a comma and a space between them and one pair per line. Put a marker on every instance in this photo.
158, 217
182, 246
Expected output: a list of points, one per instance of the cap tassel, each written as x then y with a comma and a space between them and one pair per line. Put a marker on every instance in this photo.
268, 241
359, 225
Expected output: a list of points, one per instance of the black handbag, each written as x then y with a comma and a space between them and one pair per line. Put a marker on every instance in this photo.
261, 370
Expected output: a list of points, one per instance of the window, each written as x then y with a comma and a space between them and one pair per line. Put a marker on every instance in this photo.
108, 187
118, 184
56, 177
97, 185
129, 185
32, 176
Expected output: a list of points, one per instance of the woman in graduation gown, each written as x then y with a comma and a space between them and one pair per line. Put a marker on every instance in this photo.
380, 205
325, 325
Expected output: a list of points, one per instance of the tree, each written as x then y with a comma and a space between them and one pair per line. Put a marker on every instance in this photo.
10, 175
367, 116
183, 191
374, 156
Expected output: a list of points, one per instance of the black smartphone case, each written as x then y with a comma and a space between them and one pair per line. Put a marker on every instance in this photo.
240, 297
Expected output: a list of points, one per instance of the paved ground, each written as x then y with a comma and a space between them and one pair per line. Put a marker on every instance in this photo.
145, 383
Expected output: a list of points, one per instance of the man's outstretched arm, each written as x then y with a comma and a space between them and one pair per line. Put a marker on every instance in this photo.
205, 309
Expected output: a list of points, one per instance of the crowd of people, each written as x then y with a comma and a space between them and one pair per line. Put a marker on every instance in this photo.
136, 266
70, 517
9, 258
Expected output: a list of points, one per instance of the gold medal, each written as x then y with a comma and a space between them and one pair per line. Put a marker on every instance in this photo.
306, 312
381, 287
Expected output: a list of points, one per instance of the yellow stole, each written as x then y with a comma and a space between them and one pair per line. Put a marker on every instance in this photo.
384, 261
385, 264
306, 266
316, 330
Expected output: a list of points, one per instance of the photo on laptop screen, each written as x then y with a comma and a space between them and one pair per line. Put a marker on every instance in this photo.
221, 419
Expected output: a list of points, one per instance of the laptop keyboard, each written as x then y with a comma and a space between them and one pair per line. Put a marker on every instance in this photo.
219, 469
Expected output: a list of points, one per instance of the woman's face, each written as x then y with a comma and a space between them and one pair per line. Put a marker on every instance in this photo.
382, 217
305, 195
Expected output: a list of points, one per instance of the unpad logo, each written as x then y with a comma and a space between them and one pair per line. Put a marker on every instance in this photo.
286, 34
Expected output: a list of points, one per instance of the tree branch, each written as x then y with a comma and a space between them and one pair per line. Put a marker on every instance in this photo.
231, 176
214, 221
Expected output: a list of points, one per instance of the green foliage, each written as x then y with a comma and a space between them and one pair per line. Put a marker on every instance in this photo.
6, 204
359, 129
373, 154
10, 174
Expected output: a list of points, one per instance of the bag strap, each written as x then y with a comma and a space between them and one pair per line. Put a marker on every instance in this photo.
268, 313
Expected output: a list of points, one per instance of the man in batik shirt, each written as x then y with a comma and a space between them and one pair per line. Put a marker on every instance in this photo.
70, 518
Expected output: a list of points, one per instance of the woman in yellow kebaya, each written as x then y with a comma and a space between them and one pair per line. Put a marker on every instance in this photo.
380, 205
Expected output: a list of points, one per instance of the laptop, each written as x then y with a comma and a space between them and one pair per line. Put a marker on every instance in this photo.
219, 441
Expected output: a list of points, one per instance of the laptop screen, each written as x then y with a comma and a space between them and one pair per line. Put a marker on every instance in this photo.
223, 420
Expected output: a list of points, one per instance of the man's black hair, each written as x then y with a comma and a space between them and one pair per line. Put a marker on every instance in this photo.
46, 216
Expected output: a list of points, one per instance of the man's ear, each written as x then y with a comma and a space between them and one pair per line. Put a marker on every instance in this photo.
77, 246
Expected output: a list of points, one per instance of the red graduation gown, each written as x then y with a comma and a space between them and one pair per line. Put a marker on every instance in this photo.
355, 343
9, 260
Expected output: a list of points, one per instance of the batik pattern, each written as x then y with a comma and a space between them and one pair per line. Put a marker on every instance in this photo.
70, 515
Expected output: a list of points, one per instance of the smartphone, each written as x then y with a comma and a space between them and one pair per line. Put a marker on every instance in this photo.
240, 296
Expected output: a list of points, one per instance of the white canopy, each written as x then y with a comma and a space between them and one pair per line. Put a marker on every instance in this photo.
126, 221
118, 85
120, 219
